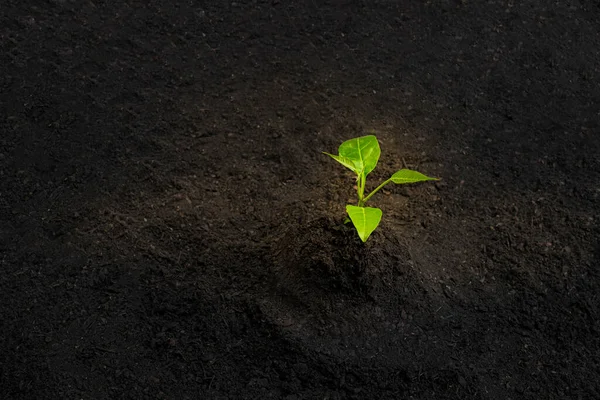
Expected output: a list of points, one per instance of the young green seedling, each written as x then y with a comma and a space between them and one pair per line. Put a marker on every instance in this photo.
361, 155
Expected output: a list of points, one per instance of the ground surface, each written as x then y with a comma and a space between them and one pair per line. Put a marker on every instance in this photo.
169, 228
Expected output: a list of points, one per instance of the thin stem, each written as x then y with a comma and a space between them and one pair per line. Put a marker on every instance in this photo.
361, 190
375, 190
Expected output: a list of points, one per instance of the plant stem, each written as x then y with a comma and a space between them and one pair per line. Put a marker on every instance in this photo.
361, 190
373, 192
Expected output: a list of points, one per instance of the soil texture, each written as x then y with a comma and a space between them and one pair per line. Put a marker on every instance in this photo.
170, 229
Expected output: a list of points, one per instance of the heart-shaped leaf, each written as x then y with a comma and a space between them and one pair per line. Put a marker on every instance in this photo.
365, 219
363, 152
410, 176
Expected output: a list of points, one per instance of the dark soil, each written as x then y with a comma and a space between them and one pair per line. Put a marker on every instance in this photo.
169, 228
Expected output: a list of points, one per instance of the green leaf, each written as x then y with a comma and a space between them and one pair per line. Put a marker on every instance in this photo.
410, 176
346, 162
363, 152
365, 219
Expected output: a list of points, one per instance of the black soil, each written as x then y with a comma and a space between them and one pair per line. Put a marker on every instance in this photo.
169, 228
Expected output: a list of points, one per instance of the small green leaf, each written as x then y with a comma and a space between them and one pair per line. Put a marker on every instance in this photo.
346, 162
363, 152
365, 219
410, 176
